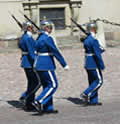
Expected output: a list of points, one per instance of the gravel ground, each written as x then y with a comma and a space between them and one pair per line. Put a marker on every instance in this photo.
71, 84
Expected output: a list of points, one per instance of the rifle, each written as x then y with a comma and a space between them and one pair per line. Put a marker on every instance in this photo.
30, 20
19, 24
79, 26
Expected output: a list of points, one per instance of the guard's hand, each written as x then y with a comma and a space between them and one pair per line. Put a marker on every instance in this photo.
66, 68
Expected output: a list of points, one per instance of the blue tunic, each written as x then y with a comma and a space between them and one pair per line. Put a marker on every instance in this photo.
46, 51
27, 46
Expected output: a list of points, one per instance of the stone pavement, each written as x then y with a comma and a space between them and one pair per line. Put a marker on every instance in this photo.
71, 84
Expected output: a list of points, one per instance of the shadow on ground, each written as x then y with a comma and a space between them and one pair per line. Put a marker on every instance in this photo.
15, 103
74, 100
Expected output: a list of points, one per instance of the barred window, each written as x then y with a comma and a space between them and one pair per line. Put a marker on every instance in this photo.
56, 15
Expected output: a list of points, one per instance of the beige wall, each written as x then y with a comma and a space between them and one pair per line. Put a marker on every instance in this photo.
108, 9
7, 24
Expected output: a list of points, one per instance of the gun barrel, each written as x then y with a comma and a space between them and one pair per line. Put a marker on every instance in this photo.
19, 24
80, 27
30, 20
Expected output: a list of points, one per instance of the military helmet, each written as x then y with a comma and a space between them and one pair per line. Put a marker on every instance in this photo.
46, 23
26, 25
92, 25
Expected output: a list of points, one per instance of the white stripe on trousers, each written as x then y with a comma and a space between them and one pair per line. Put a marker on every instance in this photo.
50, 90
100, 81
52, 78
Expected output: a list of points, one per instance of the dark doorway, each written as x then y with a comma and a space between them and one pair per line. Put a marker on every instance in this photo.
56, 15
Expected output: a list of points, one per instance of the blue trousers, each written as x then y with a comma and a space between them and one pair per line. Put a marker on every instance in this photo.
49, 84
95, 80
32, 84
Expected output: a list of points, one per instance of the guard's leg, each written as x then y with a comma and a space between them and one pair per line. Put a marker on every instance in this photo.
94, 98
32, 83
30, 98
84, 97
35, 85
94, 94
49, 105
49, 82
97, 80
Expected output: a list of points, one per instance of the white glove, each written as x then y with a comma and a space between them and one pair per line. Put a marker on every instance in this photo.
66, 68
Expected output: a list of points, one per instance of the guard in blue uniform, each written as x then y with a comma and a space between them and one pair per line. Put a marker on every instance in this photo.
94, 65
24, 94
27, 45
44, 64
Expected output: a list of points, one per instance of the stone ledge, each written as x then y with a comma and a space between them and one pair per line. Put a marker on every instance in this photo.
112, 35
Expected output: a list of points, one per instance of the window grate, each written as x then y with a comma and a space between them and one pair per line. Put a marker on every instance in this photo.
56, 15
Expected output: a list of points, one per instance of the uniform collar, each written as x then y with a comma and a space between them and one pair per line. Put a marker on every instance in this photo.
46, 33
29, 33
93, 34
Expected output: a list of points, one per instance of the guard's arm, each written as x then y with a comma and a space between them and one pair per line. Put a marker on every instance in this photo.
29, 47
98, 57
55, 52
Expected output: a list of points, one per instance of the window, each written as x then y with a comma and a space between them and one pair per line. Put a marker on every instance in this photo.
56, 15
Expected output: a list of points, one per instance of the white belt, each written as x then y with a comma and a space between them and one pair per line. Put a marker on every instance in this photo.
89, 54
44, 54
24, 53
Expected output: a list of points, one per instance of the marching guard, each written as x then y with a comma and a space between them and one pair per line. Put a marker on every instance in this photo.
26, 45
94, 65
44, 63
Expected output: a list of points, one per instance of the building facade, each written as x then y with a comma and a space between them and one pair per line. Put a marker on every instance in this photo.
57, 11
60, 11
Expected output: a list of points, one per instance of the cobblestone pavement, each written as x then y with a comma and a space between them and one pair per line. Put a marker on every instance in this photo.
71, 84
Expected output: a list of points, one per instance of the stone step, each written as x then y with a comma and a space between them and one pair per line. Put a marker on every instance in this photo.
67, 40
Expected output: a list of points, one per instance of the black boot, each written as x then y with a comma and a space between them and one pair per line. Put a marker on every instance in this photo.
84, 98
29, 108
50, 111
22, 100
37, 106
